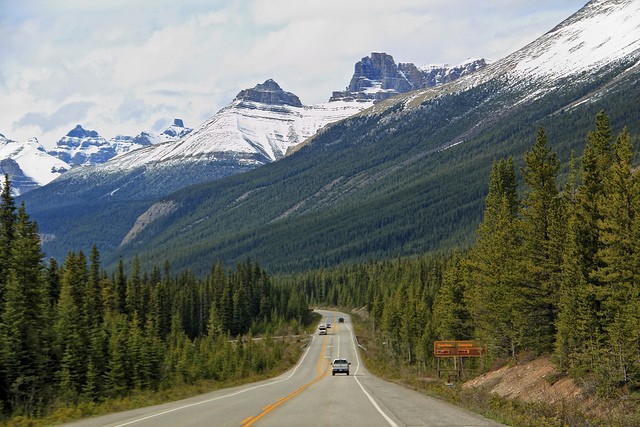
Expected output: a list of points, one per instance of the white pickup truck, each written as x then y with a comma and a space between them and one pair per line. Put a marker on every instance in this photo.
340, 366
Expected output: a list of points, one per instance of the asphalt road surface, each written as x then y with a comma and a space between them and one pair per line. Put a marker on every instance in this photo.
307, 395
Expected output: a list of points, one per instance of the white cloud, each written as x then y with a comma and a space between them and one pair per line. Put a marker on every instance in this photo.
45, 122
124, 66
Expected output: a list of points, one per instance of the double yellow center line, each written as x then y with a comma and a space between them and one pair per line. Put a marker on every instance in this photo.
321, 369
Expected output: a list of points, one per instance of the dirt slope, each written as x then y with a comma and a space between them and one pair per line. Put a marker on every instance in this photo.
534, 381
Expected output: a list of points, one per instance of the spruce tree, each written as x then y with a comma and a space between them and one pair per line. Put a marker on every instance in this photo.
133, 296
492, 287
617, 205
23, 332
493, 268
616, 272
596, 161
71, 327
7, 224
598, 262
502, 185
450, 313
540, 261
121, 287
93, 291
117, 372
570, 276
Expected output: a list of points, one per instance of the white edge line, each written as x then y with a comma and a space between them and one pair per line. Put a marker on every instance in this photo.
371, 399
158, 414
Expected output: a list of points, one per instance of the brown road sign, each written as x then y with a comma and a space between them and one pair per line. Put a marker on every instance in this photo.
458, 349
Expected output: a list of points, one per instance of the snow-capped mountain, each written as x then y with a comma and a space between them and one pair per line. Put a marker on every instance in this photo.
417, 160
577, 45
409, 175
81, 147
258, 127
377, 77
28, 164
176, 131
264, 122
601, 36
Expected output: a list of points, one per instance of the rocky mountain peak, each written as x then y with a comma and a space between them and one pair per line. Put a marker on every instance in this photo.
81, 146
80, 132
176, 130
379, 67
270, 93
377, 77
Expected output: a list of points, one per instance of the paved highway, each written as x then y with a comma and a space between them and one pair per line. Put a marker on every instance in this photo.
307, 395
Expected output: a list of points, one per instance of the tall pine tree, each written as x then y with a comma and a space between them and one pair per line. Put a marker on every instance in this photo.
23, 330
7, 225
493, 267
541, 260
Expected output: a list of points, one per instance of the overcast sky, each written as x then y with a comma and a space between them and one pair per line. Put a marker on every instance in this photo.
124, 66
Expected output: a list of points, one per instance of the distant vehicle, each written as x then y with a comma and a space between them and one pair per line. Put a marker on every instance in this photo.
340, 366
322, 329
340, 319
328, 325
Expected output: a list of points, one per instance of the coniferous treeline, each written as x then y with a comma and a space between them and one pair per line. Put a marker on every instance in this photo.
554, 270
72, 333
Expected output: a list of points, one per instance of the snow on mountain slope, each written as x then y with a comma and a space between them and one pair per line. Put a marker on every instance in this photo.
87, 147
176, 131
83, 147
601, 35
251, 132
377, 77
28, 164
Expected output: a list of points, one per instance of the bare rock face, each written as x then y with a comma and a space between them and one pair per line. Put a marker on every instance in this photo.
83, 147
270, 93
155, 212
380, 67
378, 77
439, 74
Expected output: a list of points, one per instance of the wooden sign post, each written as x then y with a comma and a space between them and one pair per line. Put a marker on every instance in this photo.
457, 350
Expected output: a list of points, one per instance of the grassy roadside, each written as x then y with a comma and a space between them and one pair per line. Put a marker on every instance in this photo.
64, 413
506, 411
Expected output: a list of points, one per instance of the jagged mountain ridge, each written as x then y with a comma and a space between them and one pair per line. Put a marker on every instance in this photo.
265, 122
244, 135
30, 165
377, 77
82, 147
385, 170
261, 125
410, 173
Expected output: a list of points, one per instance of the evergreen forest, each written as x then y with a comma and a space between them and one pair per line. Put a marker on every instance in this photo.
71, 333
554, 271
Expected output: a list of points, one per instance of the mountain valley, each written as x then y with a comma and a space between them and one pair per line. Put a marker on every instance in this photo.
408, 175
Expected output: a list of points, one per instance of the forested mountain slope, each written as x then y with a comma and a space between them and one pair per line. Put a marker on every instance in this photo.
409, 175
